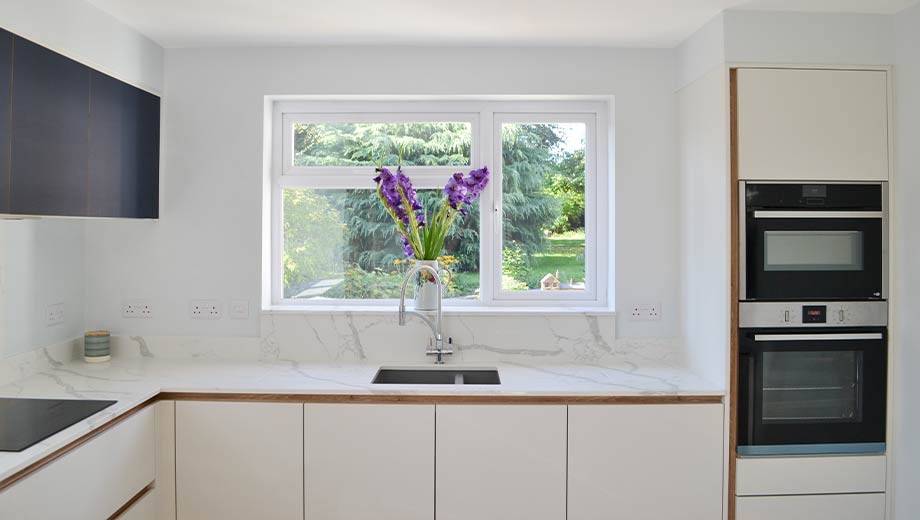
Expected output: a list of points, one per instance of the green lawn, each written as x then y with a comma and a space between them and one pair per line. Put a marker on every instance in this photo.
565, 253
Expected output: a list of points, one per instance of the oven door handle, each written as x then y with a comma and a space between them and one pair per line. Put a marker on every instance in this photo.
845, 336
819, 214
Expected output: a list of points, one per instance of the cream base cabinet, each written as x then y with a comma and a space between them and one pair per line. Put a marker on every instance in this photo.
809, 124
369, 461
94, 480
239, 461
645, 462
496, 462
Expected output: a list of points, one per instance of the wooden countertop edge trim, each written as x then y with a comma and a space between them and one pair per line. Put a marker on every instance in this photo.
356, 398
440, 399
72, 445
133, 500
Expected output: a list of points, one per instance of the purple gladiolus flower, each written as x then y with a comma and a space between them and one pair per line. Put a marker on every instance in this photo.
456, 190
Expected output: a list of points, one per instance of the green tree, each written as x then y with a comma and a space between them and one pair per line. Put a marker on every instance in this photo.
567, 185
312, 237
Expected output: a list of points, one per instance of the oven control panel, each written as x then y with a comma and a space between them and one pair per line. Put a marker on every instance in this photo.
813, 314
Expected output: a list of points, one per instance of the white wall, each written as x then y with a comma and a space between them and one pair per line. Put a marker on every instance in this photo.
43, 261
80, 31
809, 38
907, 286
703, 51
207, 243
705, 231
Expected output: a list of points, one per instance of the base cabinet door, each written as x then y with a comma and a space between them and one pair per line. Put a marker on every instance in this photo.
497, 462
369, 461
645, 462
93, 481
239, 461
857, 506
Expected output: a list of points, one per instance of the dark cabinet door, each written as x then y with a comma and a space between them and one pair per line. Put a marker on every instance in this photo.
124, 149
6, 77
50, 123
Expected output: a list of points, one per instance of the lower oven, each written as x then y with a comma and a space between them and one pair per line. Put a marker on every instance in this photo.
812, 390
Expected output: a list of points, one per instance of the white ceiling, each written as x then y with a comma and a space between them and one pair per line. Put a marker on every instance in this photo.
632, 23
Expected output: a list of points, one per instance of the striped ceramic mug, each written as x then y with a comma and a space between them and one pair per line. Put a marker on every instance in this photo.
96, 348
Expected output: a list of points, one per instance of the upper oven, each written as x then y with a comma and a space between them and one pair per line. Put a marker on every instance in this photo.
802, 242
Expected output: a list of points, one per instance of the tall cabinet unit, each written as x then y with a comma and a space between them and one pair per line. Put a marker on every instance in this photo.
798, 125
73, 141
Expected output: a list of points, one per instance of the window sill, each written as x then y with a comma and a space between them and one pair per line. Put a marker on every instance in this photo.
447, 311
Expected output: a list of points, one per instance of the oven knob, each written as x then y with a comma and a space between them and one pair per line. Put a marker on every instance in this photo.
842, 317
786, 316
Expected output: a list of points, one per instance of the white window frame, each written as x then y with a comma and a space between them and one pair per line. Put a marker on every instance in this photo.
485, 118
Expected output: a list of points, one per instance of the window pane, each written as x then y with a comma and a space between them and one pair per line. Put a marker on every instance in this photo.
341, 244
543, 207
360, 144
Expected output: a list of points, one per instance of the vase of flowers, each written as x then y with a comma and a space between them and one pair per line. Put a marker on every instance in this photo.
423, 232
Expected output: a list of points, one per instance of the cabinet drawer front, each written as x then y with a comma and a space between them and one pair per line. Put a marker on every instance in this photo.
144, 509
811, 475
869, 506
92, 481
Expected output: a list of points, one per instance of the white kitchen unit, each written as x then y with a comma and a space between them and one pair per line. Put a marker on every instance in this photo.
144, 509
369, 461
93, 481
867, 506
645, 461
496, 462
759, 476
166, 461
812, 124
239, 461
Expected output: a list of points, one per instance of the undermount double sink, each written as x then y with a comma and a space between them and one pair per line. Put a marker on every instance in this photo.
436, 376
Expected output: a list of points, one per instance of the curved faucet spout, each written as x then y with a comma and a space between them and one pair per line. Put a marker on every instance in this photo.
436, 326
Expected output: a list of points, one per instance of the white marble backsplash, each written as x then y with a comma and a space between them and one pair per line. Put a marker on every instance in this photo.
344, 338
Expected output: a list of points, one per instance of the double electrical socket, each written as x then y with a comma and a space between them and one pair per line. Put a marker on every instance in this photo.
136, 309
205, 310
645, 312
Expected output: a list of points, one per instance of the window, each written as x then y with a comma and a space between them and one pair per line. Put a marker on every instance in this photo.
538, 235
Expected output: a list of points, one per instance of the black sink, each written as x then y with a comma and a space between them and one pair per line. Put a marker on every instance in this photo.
437, 376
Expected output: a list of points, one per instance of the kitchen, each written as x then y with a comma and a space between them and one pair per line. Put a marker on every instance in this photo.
622, 398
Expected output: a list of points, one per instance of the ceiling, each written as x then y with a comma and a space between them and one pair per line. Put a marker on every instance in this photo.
627, 23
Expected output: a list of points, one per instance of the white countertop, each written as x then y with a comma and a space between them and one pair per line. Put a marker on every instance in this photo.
132, 381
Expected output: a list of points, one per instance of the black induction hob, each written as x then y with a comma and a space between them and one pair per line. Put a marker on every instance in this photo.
24, 422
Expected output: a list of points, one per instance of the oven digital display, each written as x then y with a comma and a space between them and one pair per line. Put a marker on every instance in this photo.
814, 314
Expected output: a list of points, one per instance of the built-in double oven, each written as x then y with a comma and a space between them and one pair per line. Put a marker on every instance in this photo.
813, 316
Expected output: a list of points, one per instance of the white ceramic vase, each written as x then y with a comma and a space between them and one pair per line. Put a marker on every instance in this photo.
426, 288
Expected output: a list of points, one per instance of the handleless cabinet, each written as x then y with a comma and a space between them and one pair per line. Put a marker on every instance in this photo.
369, 461
50, 132
496, 462
239, 461
812, 124
73, 141
645, 462
6, 79
124, 150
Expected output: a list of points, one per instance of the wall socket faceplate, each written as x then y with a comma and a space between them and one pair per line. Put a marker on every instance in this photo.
239, 309
205, 310
136, 309
645, 312
54, 314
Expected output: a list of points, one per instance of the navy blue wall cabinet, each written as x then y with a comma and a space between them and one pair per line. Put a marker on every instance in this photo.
6, 78
124, 138
82, 143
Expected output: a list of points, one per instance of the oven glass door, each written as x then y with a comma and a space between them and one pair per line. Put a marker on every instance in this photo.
810, 257
808, 388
